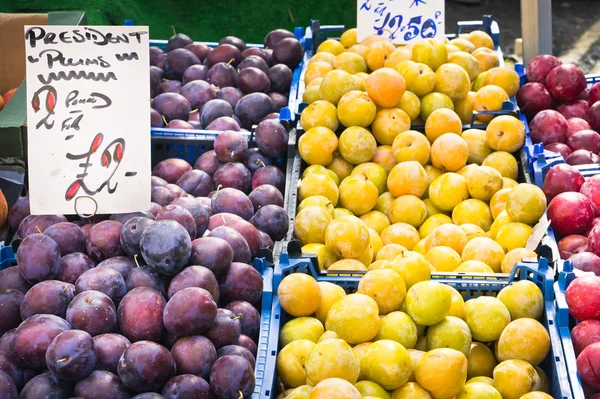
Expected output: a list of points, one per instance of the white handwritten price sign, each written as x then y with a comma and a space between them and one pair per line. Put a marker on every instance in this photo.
88, 107
401, 21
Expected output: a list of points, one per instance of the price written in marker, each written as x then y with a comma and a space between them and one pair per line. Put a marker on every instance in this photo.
401, 21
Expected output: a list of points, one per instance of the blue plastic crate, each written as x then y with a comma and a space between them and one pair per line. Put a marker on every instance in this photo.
7, 256
564, 323
470, 287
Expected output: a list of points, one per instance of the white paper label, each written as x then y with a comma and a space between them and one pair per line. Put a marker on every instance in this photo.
88, 119
401, 21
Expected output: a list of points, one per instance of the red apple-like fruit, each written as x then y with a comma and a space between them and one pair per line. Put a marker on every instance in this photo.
591, 189
584, 334
574, 109
566, 82
577, 124
562, 178
571, 245
549, 126
570, 213
594, 94
594, 116
533, 98
563, 149
588, 366
583, 297
595, 223
540, 66
582, 157
584, 140
594, 240
587, 262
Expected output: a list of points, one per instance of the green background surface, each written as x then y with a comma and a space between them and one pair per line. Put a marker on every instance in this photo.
201, 20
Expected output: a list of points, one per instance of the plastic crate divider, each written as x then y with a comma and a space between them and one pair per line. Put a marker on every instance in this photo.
7, 256
263, 374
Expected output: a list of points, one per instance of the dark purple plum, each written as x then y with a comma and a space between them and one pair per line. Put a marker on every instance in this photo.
194, 116
234, 41
10, 316
105, 240
179, 124
288, 51
105, 280
40, 223
234, 175
187, 386
271, 175
181, 216
46, 385
254, 61
71, 355
226, 53
280, 76
253, 80
178, 40
121, 264
156, 181
33, 336
273, 220
255, 159
172, 105
159, 61
234, 201
140, 314
148, 395
206, 202
8, 388
154, 208
24, 225
213, 253
195, 72
38, 258
166, 247
199, 49
195, 276
170, 86
268, 53
171, 169
248, 231
47, 297
247, 342
176, 190
223, 123
156, 119
155, 53
198, 93
231, 146
275, 36
144, 277
226, 329
109, 348
19, 211
222, 75
249, 317
272, 138
72, 266
178, 61
194, 355
279, 101
102, 385
236, 350
221, 219
253, 51
10, 278
265, 194
241, 250
156, 76
86, 229
232, 377
131, 233
196, 125
125, 217
5, 341
242, 283
146, 366
214, 109
230, 94
168, 340
190, 311
199, 211
272, 115
252, 108
162, 195
68, 236
8, 364
208, 162
265, 240
93, 312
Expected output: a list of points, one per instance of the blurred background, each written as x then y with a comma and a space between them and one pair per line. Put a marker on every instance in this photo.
576, 23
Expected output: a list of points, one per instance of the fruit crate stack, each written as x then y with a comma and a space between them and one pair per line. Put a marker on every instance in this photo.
299, 294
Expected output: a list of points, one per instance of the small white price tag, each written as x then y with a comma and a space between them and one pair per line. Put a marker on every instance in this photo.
401, 21
538, 232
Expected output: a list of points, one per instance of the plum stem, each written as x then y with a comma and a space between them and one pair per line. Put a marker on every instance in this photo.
89, 300
165, 80
194, 110
216, 88
241, 395
174, 31
239, 316
164, 120
38, 229
230, 61
135, 260
218, 188
232, 153
259, 161
64, 359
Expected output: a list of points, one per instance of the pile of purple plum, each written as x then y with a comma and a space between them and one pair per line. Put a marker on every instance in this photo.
192, 84
154, 304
